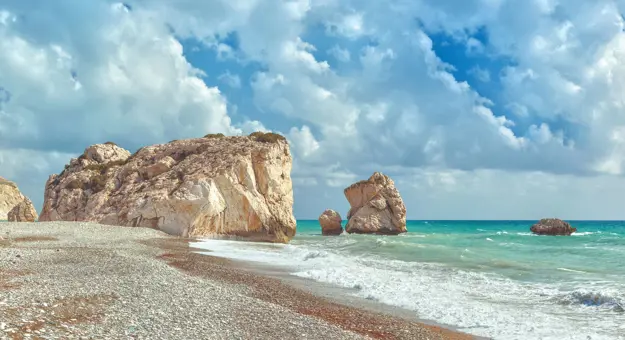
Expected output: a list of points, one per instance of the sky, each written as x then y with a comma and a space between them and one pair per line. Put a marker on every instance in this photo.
478, 109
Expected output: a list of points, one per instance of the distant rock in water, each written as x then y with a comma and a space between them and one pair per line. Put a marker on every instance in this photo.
552, 226
23, 212
330, 222
213, 186
376, 207
14, 206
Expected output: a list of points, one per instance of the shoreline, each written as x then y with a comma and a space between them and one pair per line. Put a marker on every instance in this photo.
378, 321
327, 291
109, 282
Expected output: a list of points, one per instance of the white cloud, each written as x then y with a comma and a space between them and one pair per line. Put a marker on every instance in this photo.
249, 126
401, 68
474, 46
30, 169
303, 141
340, 54
391, 102
232, 80
349, 25
431, 193
131, 70
481, 74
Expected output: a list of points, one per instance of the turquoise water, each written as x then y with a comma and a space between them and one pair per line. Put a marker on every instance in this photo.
489, 278
503, 247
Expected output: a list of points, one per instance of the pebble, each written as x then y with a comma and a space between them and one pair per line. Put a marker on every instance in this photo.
150, 299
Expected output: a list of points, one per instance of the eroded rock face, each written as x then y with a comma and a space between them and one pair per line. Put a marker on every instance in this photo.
213, 186
376, 207
10, 196
330, 222
552, 226
23, 212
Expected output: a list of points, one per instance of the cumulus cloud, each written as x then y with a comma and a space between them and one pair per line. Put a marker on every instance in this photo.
340, 54
390, 102
481, 74
30, 169
118, 75
303, 141
129, 82
232, 80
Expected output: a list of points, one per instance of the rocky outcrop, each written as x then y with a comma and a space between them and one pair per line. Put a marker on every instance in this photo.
10, 197
213, 186
330, 222
552, 226
23, 212
376, 207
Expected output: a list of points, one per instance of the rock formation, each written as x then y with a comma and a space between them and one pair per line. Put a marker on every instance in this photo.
552, 226
376, 207
13, 201
213, 186
330, 222
23, 212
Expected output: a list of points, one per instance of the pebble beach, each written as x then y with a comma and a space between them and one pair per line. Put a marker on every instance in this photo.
74, 280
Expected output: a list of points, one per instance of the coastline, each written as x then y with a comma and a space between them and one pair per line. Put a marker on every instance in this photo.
311, 298
326, 291
118, 283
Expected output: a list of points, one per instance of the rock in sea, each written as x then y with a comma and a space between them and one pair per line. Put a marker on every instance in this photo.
330, 222
14, 206
231, 187
376, 207
552, 226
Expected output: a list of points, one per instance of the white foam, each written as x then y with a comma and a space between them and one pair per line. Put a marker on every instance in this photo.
481, 304
571, 270
585, 233
526, 234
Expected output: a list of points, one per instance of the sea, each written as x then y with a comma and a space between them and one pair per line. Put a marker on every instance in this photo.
488, 278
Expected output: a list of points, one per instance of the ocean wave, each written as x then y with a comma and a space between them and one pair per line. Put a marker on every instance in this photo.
609, 299
571, 270
585, 233
484, 304
313, 254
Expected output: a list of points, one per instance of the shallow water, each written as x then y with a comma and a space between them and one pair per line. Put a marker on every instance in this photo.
488, 278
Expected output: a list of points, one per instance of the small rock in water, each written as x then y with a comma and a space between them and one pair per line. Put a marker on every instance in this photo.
330, 222
376, 207
552, 226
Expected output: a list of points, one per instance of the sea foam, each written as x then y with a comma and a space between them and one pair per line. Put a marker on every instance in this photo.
479, 303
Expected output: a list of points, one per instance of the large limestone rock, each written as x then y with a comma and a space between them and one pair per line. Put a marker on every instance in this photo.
376, 207
10, 197
330, 222
212, 186
552, 226
23, 212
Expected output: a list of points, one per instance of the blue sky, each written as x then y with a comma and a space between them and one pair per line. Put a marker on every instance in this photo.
481, 109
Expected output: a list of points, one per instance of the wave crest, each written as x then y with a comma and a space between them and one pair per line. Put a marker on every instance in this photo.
313, 254
588, 298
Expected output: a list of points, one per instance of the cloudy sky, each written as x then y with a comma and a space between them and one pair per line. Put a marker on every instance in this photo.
478, 109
